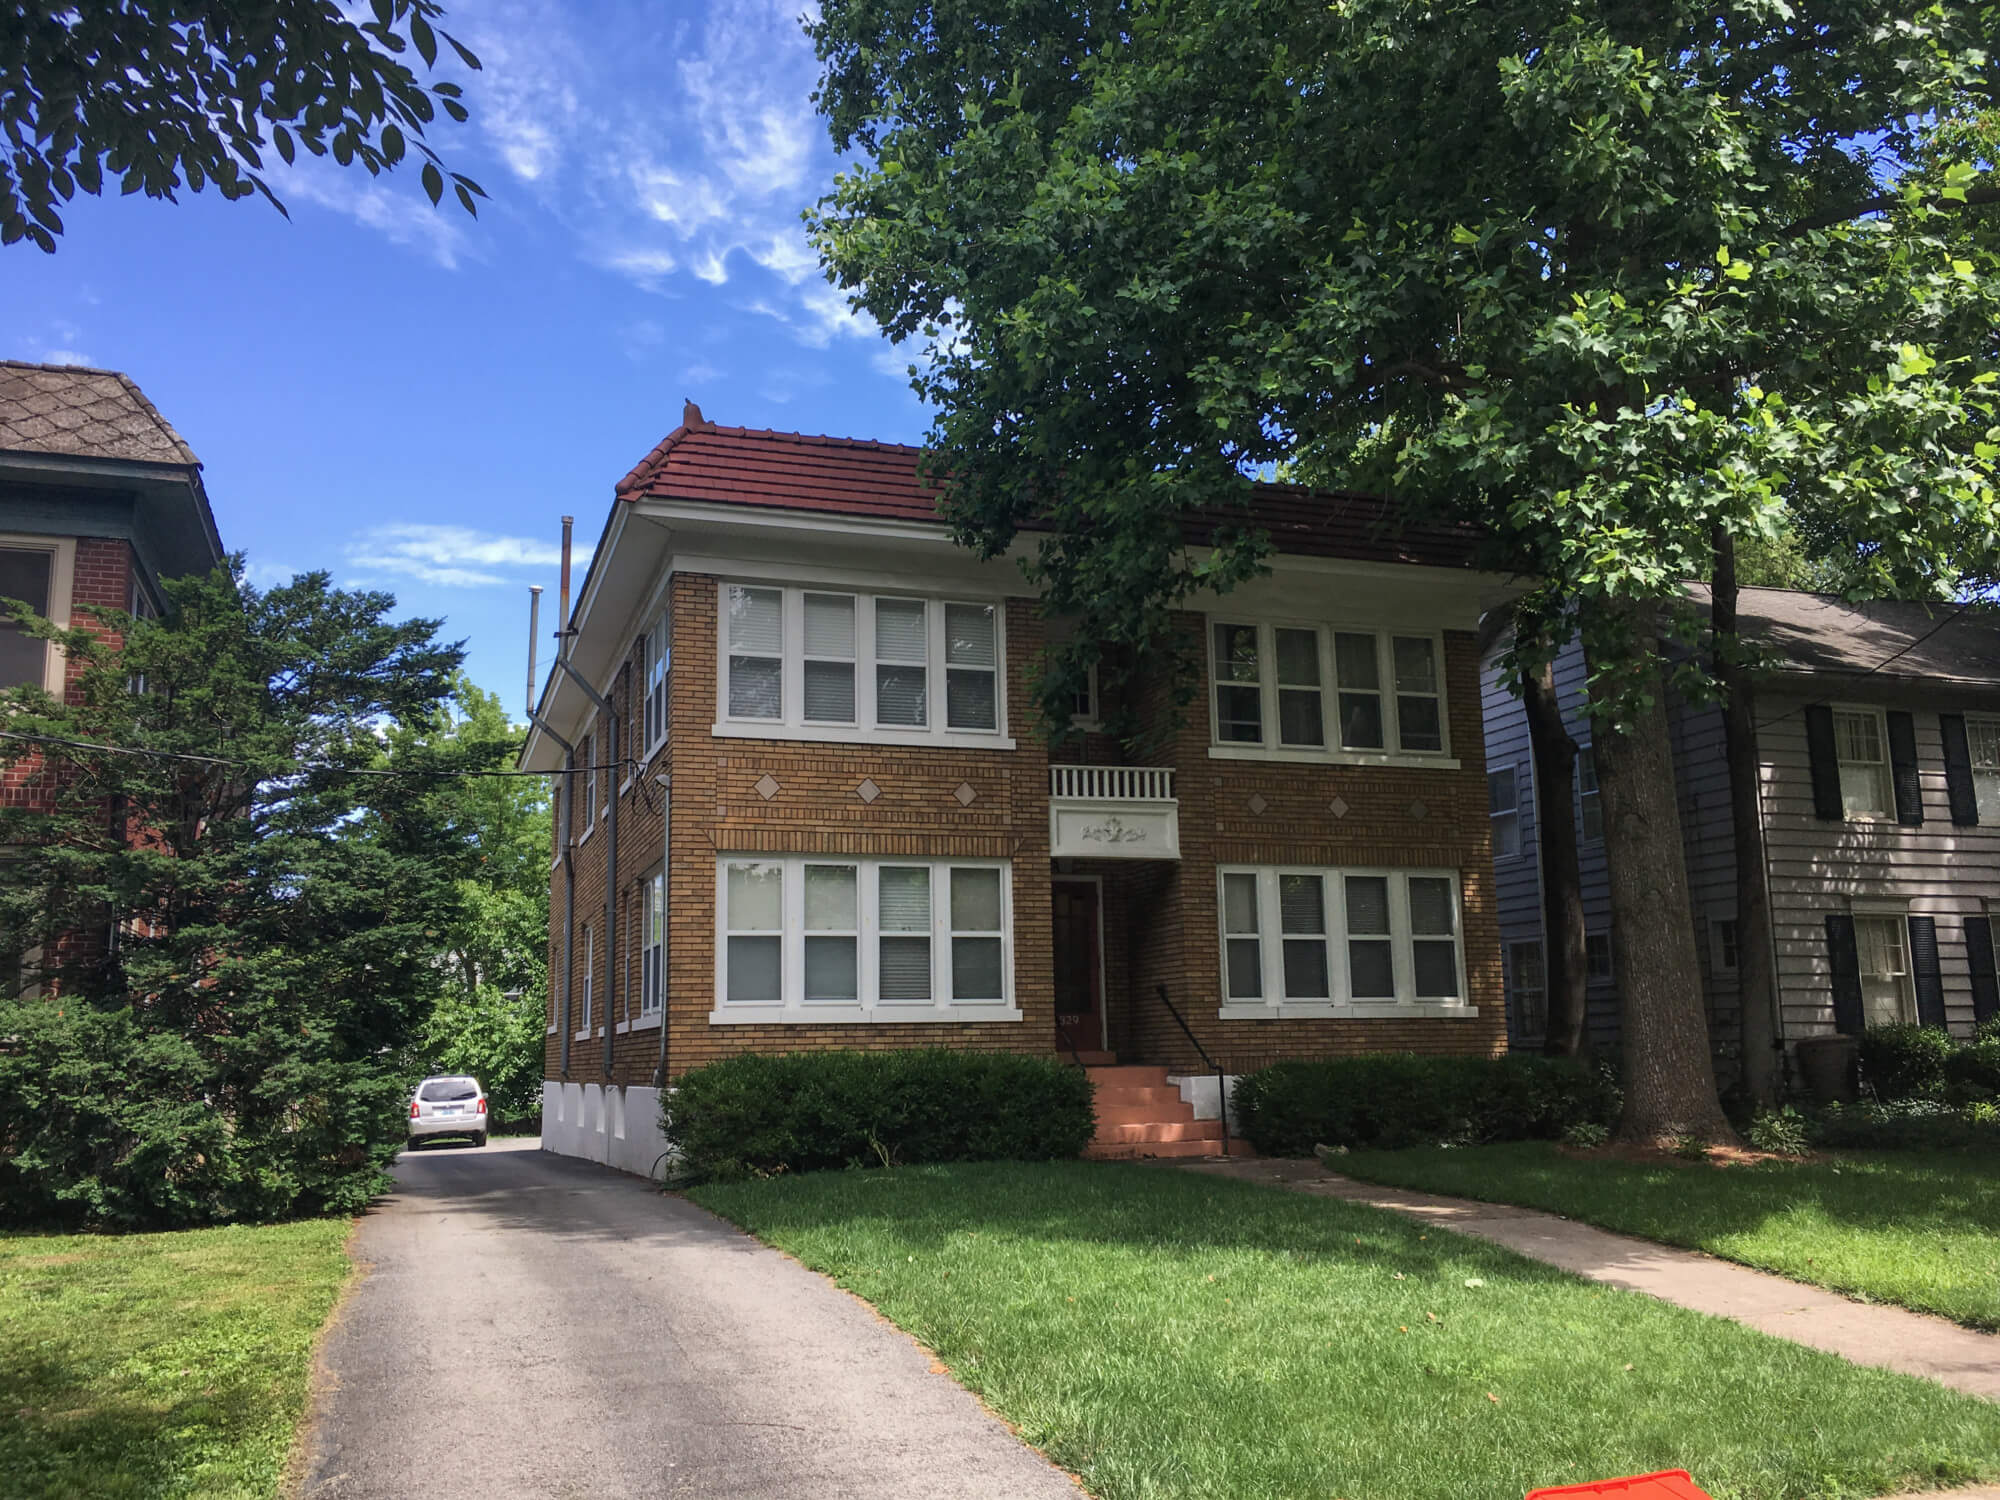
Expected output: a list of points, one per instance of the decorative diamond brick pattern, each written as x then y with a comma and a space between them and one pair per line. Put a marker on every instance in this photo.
1419, 811
83, 413
1338, 807
965, 794
868, 791
1257, 802
767, 787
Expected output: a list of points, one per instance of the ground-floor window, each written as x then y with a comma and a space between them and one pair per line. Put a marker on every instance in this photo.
822, 938
1888, 996
1306, 941
1528, 989
652, 942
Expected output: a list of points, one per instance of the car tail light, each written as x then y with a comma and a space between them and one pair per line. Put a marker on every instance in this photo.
482, 1106
413, 1109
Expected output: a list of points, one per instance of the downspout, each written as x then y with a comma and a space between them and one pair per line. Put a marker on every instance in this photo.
666, 881
569, 801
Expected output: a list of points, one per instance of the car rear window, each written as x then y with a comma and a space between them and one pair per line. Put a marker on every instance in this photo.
448, 1090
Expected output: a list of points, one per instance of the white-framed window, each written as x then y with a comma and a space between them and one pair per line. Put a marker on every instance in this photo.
1861, 747
806, 938
1084, 710
1503, 809
1597, 957
1589, 809
1528, 988
653, 943
827, 664
1305, 941
1310, 690
1728, 957
1888, 993
656, 660
587, 991
586, 761
1982, 738
38, 572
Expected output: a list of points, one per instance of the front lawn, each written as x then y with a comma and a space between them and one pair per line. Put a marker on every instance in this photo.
159, 1365
1169, 1335
1919, 1229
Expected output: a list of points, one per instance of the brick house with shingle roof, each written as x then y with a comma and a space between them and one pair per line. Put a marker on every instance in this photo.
100, 498
803, 803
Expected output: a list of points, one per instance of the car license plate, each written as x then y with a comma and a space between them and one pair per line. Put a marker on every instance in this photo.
447, 1109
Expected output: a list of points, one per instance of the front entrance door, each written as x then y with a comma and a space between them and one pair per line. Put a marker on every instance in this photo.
1079, 962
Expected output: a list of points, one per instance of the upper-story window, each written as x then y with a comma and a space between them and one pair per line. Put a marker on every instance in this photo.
1314, 689
25, 574
1861, 746
1503, 806
816, 663
656, 656
1589, 808
1982, 734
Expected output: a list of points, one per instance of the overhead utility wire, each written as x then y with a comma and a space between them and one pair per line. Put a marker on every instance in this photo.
1956, 611
101, 748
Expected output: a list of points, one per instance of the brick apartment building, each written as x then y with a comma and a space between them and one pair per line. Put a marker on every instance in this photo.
813, 812
99, 500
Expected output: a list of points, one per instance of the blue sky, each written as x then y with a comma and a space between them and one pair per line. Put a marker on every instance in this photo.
411, 398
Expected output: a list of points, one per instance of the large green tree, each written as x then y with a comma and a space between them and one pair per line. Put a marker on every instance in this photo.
1609, 279
236, 899
154, 96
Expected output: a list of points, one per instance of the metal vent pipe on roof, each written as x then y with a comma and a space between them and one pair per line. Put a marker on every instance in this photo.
534, 639
562, 625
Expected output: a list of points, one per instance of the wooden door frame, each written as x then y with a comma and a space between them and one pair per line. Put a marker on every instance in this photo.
1103, 984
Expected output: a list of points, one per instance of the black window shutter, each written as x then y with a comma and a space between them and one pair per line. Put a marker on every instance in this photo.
1958, 771
1924, 969
1985, 983
1825, 762
1846, 965
1903, 769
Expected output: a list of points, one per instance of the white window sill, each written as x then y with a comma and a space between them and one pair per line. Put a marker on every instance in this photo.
625, 787
1305, 757
848, 734
582, 1036
852, 1015
551, 1031
645, 1023
1308, 1010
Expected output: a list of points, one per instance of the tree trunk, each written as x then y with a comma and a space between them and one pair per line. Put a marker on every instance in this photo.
1562, 883
1669, 1077
1755, 987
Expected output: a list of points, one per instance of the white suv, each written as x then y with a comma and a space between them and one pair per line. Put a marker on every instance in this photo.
448, 1105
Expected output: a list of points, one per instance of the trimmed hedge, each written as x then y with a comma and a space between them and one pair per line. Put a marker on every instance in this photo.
1907, 1125
1395, 1099
755, 1115
1905, 1062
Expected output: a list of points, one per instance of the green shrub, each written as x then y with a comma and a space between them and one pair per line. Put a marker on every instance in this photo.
1586, 1135
1783, 1132
754, 1115
1691, 1147
1973, 1071
1396, 1099
1907, 1125
1905, 1062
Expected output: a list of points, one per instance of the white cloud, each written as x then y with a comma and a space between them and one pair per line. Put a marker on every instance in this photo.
450, 556
394, 204
65, 357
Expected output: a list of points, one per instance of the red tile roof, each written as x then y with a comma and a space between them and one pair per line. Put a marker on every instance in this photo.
860, 477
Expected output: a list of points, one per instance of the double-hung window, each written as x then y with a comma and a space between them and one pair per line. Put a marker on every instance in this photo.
1316, 690
1311, 941
653, 943
1528, 988
586, 769
1503, 809
811, 938
1589, 810
828, 665
1888, 994
657, 659
1861, 746
588, 988
1982, 735
26, 574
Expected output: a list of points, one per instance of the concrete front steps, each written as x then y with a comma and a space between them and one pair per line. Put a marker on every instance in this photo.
1140, 1114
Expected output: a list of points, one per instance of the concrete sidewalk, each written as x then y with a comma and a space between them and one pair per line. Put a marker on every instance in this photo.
1862, 1333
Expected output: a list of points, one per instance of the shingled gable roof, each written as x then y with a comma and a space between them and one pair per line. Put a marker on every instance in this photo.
861, 477
76, 412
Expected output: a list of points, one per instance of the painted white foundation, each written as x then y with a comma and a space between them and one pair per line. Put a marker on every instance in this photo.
619, 1127
1199, 1090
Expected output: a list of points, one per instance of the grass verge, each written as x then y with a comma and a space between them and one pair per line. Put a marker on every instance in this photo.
1920, 1230
159, 1365
1171, 1336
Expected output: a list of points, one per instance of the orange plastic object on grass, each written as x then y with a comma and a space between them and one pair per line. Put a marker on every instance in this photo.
1668, 1484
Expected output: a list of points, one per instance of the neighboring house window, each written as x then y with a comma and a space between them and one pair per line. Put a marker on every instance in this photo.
141, 607
813, 660
1887, 995
1589, 810
653, 943
589, 986
1861, 746
25, 574
657, 659
1270, 689
1597, 958
812, 938
1083, 702
1528, 988
1982, 734
1726, 952
1321, 937
1503, 807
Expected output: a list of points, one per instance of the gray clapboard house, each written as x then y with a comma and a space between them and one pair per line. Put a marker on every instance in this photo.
1878, 739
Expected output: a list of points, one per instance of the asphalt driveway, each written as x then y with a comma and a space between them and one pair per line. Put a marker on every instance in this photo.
532, 1325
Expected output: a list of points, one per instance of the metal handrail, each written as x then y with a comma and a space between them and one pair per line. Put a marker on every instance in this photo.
1075, 1056
1221, 1091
